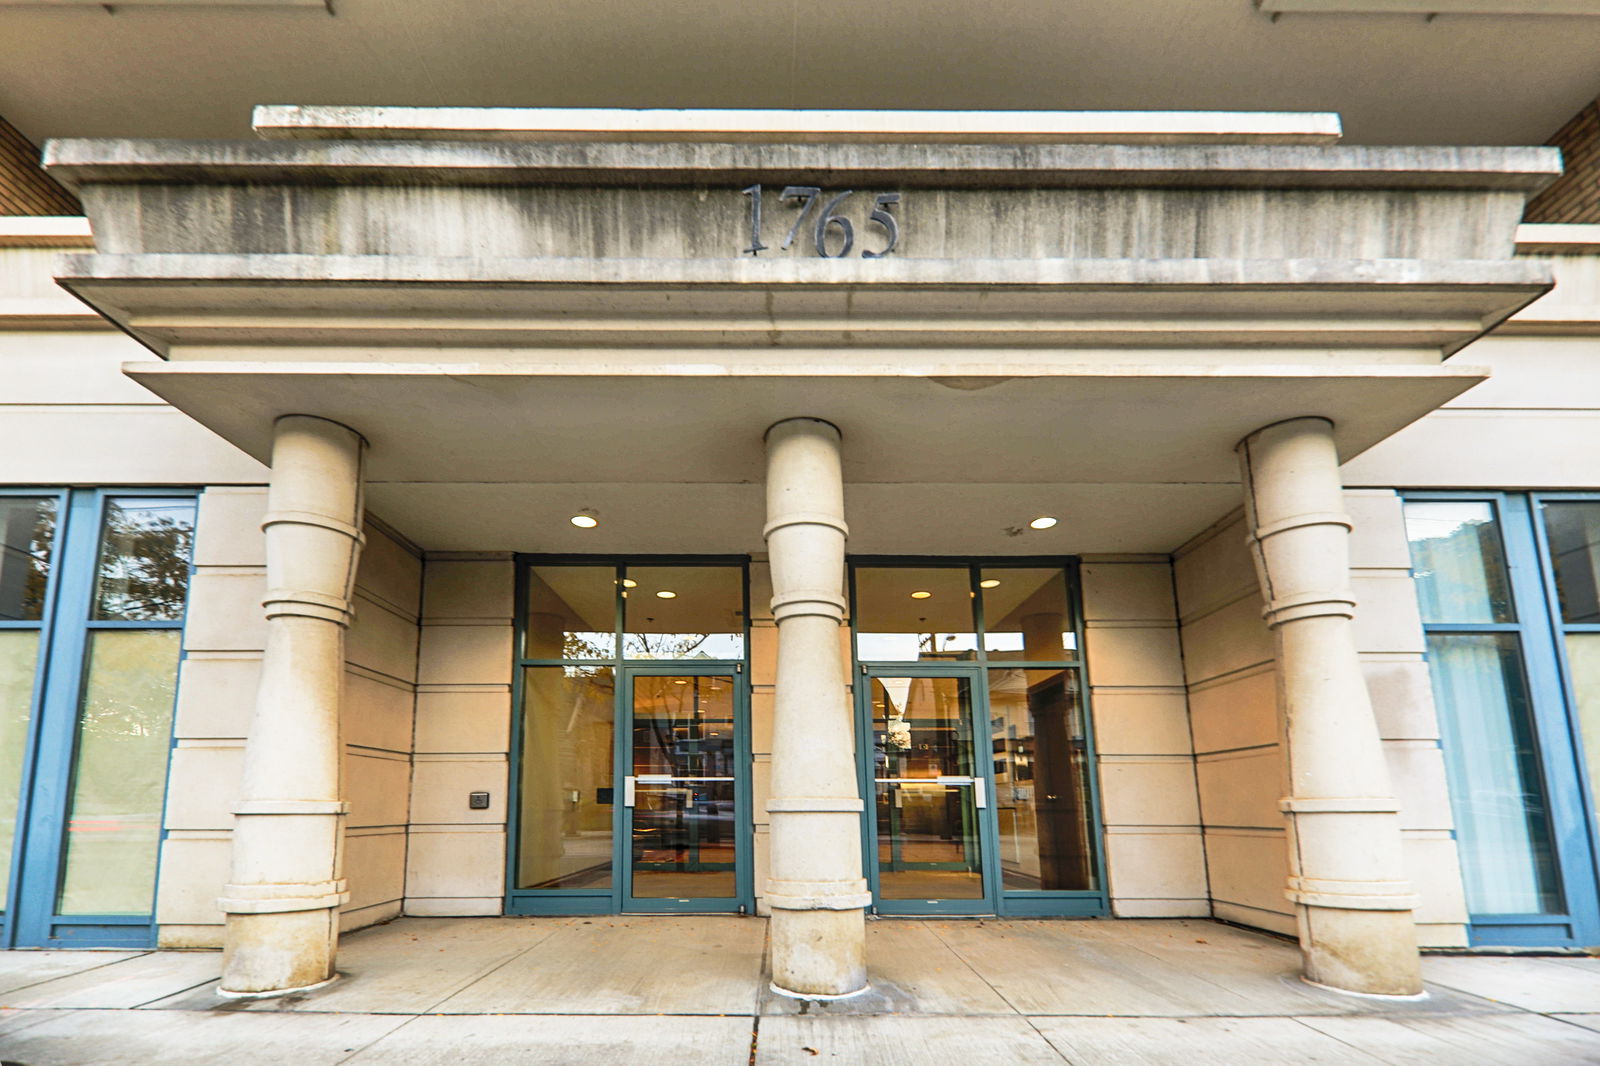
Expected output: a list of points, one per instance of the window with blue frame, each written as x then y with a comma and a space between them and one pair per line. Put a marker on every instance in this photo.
1507, 598
93, 589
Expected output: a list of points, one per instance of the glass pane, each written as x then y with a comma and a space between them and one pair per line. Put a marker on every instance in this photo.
1025, 613
27, 533
143, 572
927, 828
568, 729
572, 612
910, 614
1457, 561
1583, 653
683, 612
119, 772
19, 657
1574, 533
1497, 791
684, 836
1041, 780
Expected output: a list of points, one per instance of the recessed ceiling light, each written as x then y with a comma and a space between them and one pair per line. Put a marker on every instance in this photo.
679, 681
629, 583
989, 583
1044, 521
921, 594
667, 594
585, 519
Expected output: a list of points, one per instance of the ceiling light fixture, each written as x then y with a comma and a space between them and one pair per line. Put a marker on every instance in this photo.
920, 594
989, 583
585, 519
629, 583
666, 594
1044, 521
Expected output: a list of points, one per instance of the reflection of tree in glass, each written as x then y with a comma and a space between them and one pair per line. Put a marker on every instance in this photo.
27, 532
144, 560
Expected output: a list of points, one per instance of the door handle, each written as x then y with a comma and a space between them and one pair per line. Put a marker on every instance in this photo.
627, 791
980, 793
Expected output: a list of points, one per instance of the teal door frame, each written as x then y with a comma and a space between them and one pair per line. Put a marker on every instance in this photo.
987, 826
39, 847
743, 899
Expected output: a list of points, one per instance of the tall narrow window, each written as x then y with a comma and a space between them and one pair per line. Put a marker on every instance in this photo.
1475, 654
1572, 528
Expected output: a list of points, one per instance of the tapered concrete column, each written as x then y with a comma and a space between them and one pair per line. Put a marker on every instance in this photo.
287, 884
1346, 876
816, 890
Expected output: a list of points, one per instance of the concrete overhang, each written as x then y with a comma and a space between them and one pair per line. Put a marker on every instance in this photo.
301, 302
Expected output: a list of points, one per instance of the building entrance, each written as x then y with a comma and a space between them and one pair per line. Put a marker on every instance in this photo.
685, 808
976, 752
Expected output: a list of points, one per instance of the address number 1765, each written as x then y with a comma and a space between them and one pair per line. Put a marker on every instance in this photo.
827, 226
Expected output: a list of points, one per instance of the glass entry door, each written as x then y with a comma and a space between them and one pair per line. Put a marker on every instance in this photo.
685, 791
931, 838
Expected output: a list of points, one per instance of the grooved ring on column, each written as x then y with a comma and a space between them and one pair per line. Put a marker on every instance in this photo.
314, 518
307, 603
1300, 521
1339, 805
1338, 603
805, 518
1351, 895
291, 806
278, 899
818, 895
814, 805
808, 601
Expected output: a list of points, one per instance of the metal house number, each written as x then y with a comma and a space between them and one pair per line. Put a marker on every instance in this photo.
831, 229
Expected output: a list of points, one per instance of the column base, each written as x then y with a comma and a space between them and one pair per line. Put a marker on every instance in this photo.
1373, 953
279, 952
819, 954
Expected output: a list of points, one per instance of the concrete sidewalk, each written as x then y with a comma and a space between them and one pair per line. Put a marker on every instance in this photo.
692, 990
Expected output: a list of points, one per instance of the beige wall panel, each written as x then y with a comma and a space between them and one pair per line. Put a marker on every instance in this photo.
1378, 540
228, 528
225, 610
763, 654
1386, 612
217, 694
440, 784
1402, 699
382, 641
1161, 908
388, 571
203, 785
1241, 788
1248, 868
1226, 640
376, 785
464, 720
761, 866
761, 590
465, 655
375, 865
190, 937
1214, 571
1238, 712
117, 446
350, 921
1156, 865
477, 589
1133, 658
1127, 592
1148, 790
1541, 371
1417, 769
454, 908
761, 787
376, 713
1255, 918
1455, 448
80, 366
762, 702
461, 861
1140, 723
1434, 868
1442, 936
194, 867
